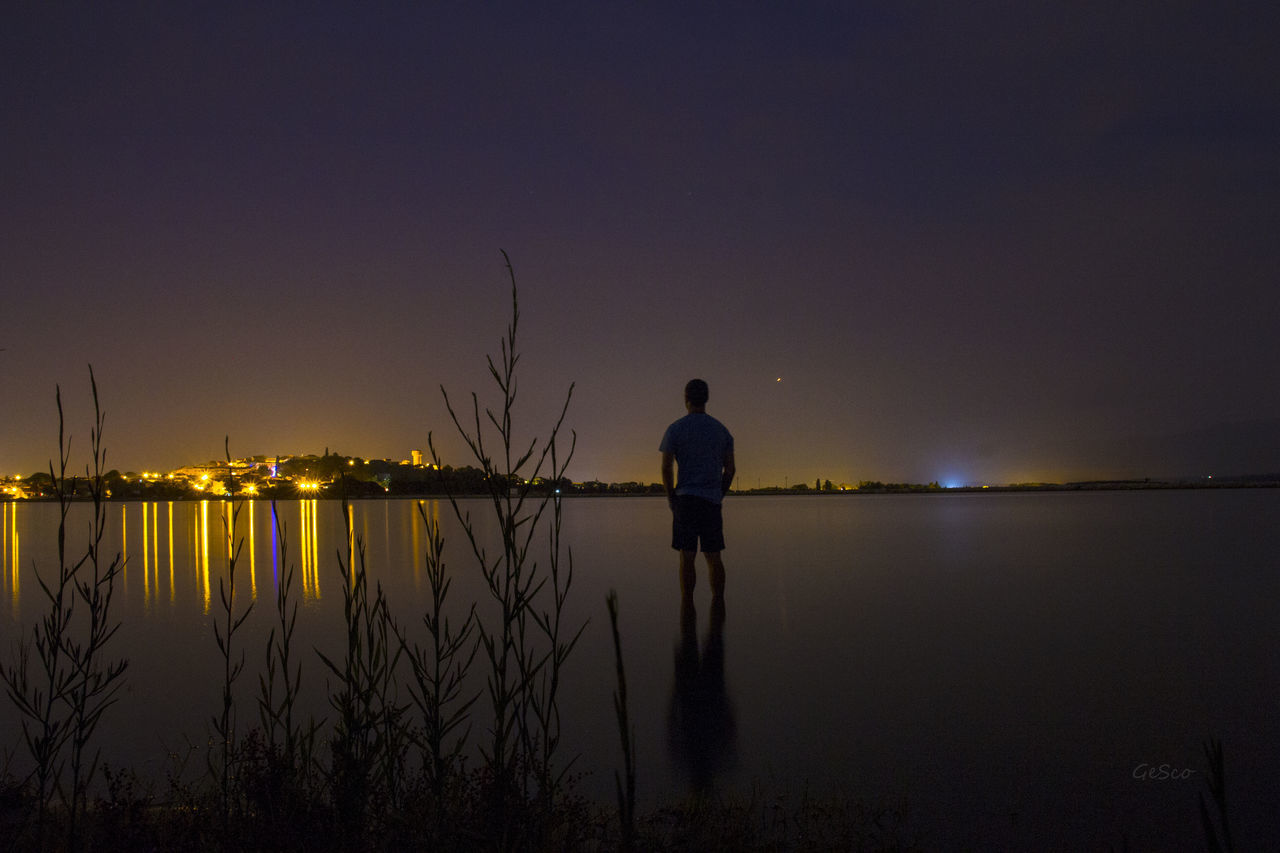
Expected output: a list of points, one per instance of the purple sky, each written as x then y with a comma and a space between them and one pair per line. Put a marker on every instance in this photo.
978, 242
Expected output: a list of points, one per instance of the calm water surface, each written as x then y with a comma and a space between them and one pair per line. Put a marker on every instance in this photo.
1034, 671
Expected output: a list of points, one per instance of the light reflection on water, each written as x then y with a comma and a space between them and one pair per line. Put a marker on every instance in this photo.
701, 724
172, 551
1002, 662
10, 553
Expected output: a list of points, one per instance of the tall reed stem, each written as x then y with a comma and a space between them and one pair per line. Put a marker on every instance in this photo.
60, 683
224, 725
366, 744
439, 674
288, 743
524, 669
626, 732
97, 681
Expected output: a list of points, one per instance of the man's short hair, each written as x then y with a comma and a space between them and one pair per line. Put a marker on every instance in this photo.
696, 392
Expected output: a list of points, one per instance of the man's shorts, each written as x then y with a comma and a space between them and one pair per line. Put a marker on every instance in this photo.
694, 518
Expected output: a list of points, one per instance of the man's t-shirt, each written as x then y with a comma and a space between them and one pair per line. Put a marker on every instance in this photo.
699, 443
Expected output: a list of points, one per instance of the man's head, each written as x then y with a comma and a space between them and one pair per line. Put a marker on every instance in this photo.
696, 393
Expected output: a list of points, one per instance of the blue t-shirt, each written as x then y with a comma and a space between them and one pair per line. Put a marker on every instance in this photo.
699, 443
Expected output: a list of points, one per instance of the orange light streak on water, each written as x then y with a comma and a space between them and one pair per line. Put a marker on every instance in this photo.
155, 542
171, 584
146, 557
304, 556
9, 549
253, 562
310, 549
124, 543
314, 543
351, 547
203, 551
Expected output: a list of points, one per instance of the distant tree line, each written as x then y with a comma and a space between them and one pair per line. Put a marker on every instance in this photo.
877, 486
331, 475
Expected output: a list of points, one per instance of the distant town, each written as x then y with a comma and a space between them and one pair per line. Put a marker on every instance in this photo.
329, 475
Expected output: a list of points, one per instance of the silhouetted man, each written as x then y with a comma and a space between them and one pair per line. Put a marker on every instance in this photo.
701, 449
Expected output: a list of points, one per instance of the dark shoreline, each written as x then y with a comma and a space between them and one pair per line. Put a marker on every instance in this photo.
1088, 486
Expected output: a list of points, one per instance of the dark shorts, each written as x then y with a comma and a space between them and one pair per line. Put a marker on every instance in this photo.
694, 519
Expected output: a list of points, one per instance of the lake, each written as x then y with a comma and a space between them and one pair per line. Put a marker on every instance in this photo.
1011, 670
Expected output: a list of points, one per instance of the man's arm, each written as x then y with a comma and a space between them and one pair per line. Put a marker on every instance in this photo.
669, 474
729, 470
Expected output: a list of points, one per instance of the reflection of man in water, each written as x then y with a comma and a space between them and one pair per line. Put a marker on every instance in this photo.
702, 449
701, 732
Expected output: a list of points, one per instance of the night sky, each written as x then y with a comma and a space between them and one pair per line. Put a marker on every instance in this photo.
977, 242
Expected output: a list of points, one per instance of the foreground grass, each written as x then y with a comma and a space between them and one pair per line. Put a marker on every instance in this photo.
132, 815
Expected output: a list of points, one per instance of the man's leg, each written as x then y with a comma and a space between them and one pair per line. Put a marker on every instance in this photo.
715, 571
688, 572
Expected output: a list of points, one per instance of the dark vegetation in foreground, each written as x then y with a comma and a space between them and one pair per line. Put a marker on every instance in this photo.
386, 768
